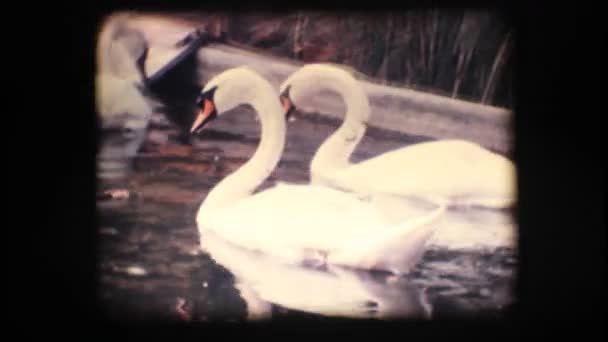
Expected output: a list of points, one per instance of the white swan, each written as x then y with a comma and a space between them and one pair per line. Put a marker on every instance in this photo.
122, 109
298, 223
128, 76
121, 53
134, 81
445, 171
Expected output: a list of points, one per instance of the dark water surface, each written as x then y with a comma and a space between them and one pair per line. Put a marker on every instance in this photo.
150, 262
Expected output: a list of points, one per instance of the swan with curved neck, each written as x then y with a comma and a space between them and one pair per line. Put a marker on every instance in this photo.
127, 92
298, 223
124, 112
121, 53
444, 171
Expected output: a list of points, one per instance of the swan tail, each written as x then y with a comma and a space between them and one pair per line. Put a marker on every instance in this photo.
397, 250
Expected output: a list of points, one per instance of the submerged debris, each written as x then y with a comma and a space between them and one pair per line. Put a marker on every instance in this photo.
181, 308
136, 271
108, 231
117, 194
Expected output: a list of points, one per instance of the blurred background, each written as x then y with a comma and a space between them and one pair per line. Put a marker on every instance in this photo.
459, 53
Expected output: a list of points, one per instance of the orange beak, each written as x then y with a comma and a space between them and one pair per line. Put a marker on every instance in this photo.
287, 106
203, 116
286, 103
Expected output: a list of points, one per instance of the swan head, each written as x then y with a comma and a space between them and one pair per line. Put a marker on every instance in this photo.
312, 79
122, 49
226, 91
299, 87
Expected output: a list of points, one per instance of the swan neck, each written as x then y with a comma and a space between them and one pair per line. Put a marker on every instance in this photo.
248, 177
118, 48
336, 151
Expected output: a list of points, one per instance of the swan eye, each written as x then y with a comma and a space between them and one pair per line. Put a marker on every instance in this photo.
206, 95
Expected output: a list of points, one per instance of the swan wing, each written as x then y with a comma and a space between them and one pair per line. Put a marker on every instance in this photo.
300, 223
397, 250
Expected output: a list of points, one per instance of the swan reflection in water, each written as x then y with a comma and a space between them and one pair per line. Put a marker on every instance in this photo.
329, 290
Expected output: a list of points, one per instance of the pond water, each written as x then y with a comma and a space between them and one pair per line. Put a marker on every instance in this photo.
151, 265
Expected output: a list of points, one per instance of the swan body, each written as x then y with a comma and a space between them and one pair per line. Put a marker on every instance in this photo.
298, 223
447, 171
444, 171
315, 224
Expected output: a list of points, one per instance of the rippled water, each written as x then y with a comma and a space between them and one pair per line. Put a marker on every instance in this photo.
152, 266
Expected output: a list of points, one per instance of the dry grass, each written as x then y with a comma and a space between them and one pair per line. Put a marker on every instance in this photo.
458, 53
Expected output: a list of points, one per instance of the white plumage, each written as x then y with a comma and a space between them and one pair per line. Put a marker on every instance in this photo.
444, 171
301, 223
